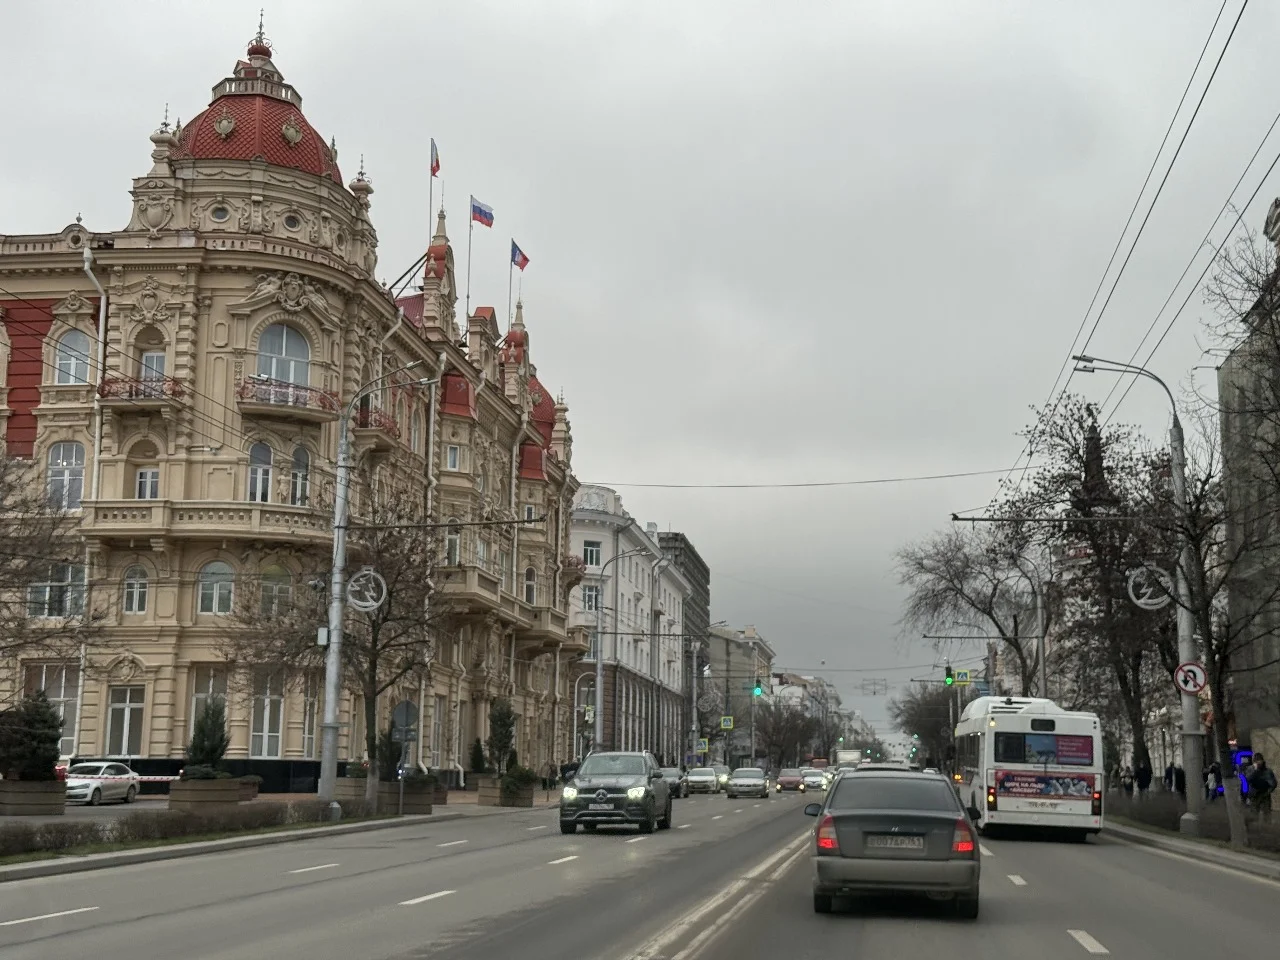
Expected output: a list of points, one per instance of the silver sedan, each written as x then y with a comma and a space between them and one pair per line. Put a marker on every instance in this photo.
95, 783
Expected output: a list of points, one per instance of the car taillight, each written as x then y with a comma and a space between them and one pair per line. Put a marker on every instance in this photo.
1097, 803
962, 838
991, 798
827, 835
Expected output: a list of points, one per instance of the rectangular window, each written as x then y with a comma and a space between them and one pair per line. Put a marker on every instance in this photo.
259, 483
504, 560
310, 714
453, 457
124, 720
61, 684
529, 513
438, 713
135, 591
61, 596
1045, 749
267, 715
148, 485
208, 680
591, 553
591, 597
152, 373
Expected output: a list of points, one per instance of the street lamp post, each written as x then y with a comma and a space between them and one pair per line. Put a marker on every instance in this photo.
337, 596
1192, 736
1037, 589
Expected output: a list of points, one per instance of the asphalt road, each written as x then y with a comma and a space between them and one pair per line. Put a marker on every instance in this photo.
1044, 899
508, 885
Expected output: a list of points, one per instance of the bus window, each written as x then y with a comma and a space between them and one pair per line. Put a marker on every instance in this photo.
1043, 726
1044, 748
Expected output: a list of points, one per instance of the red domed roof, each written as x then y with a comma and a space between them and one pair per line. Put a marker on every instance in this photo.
254, 113
543, 414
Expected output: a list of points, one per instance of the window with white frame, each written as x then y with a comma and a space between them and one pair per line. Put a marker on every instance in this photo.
125, 709
147, 486
438, 713
415, 433
591, 597
310, 713
529, 512
151, 373
591, 553
267, 716
260, 473
71, 358
65, 475
593, 639
276, 591
504, 561
482, 554
208, 681
453, 543
284, 355
135, 589
59, 596
60, 683
300, 477
453, 457
530, 586
217, 585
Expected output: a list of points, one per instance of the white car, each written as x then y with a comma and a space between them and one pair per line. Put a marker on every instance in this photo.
97, 782
814, 779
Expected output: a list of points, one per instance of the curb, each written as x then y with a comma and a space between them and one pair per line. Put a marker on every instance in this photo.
1242, 862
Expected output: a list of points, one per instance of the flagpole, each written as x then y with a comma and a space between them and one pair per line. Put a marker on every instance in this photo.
471, 229
511, 266
431, 195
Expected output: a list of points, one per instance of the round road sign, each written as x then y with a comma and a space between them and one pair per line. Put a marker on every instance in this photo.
1190, 677
1150, 587
367, 591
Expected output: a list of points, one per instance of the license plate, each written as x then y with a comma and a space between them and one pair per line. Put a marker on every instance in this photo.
890, 841
600, 806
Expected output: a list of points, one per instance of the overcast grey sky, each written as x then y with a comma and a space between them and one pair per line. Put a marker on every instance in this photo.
770, 243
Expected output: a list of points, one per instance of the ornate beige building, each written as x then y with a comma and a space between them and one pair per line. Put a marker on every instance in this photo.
196, 437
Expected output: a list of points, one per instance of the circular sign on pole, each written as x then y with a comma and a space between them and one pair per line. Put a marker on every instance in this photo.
405, 714
1191, 677
367, 591
1150, 587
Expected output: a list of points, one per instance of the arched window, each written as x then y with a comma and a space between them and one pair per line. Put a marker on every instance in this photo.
135, 590
283, 355
277, 591
415, 433
65, 477
453, 544
300, 477
71, 359
260, 473
216, 587
530, 586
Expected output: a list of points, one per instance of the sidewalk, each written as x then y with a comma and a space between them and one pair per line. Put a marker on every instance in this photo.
1207, 850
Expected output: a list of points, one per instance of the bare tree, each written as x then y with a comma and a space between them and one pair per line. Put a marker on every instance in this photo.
927, 709
783, 729
381, 648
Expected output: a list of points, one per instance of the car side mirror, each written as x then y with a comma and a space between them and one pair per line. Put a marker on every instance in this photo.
656, 775
973, 813
812, 809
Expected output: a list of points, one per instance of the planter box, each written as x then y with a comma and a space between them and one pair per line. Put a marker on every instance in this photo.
33, 798
441, 795
417, 797
248, 791
488, 793
203, 796
518, 798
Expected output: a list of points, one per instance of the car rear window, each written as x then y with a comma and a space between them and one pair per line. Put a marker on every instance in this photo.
893, 793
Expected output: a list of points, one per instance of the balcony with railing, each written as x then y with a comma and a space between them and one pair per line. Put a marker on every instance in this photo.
151, 393
375, 429
204, 520
281, 400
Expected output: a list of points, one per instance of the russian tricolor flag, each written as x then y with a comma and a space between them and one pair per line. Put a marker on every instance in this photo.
518, 257
481, 213
435, 159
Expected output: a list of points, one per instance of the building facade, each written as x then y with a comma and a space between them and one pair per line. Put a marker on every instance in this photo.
632, 601
737, 661
179, 383
697, 619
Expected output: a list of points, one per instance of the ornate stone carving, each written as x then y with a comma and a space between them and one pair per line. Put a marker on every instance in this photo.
154, 212
292, 291
292, 130
72, 304
224, 124
150, 306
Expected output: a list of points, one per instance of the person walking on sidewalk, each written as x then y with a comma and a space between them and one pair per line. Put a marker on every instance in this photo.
1126, 781
1262, 784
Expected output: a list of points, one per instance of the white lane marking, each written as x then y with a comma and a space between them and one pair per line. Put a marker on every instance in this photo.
637, 839
1017, 880
682, 826
47, 916
430, 896
552, 863
323, 866
717, 816
679, 932
1221, 868
1091, 945
739, 810
452, 843
542, 826
754, 805
986, 852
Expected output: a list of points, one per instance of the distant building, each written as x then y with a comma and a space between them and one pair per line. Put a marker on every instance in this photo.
737, 659
697, 610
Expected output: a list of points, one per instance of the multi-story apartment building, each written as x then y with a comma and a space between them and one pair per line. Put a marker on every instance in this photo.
633, 602
737, 660
180, 382
697, 614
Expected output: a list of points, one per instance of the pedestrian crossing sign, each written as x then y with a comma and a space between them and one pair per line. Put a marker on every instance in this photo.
726, 723
702, 746
962, 676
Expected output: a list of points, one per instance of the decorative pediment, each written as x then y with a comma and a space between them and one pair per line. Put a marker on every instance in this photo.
291, 291
152, 301
72, 307
127, 668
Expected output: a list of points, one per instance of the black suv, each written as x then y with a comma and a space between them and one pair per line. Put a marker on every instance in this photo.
616, 788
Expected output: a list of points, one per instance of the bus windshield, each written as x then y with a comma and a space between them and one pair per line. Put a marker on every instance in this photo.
1044, 749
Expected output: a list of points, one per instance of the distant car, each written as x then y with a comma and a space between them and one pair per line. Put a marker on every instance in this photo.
891, 832
930, 770
814, 779
95, 783
789, 779
675, 781
616, 788
747, 782
702, 780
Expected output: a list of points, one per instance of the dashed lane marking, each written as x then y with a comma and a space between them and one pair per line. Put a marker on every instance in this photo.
637, 839
46, 916
717, 816
541, 826
986, 851
1017, 880
552, 863
322, 866
682, 826
430, 896
452, 843
1089, 943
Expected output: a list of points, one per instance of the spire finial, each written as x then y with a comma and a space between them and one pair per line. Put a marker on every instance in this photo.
164, 124
78, 219
360, 172
262, 11
260, 46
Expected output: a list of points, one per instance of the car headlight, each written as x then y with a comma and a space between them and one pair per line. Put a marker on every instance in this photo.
570, 793
636, 793
723, 778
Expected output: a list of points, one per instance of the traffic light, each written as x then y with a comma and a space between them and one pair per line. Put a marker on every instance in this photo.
915, 736
950, 677
841, 740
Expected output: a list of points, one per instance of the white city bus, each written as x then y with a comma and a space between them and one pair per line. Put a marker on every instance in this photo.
1023, 762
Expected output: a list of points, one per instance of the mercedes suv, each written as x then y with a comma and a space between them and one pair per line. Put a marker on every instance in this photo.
615, 788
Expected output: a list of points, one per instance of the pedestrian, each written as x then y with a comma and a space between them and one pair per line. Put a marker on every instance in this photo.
1126, 780
1212, 779
1180, 781
1143, 778
1168, 777
1245, 771
1262, 784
